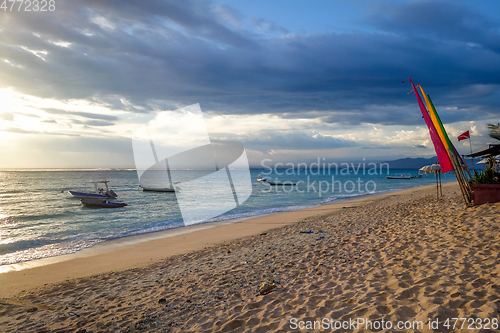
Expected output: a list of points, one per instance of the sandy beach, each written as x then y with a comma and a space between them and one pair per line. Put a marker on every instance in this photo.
404, 258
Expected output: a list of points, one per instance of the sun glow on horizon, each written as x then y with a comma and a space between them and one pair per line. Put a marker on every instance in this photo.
41, 132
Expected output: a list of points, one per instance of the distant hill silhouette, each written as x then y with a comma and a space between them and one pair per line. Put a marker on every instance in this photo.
418, 162
411, 163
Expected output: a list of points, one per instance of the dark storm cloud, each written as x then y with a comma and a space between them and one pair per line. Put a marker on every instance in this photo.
381, 116
142, 56
84, 144
267, 140
88, 115
98, 123
197, 17
92, 122
267, 25
439, 20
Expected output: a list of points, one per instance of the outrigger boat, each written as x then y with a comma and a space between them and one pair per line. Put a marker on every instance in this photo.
403, 176
159, 189
98, 193
400, 176
170, 187
279, 183
99, 203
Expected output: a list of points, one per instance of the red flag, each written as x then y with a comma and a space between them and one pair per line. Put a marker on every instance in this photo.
464, 136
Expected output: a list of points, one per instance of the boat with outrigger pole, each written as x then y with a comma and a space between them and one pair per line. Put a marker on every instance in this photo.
275, 183
169, 189
403, 176
101, 203
99, 192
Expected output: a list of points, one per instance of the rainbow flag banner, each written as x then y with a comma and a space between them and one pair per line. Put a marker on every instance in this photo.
448, 157
439, 147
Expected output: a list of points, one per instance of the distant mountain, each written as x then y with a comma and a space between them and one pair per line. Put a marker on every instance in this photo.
411, 163
417, 163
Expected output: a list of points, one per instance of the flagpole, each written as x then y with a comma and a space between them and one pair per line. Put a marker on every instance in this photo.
470, 145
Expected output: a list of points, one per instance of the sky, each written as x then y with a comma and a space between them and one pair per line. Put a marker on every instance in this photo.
292, 81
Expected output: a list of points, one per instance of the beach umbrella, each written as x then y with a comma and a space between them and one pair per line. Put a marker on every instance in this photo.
434, 168
424, 169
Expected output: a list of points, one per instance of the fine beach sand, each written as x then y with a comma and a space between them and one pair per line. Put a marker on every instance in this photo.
397, 257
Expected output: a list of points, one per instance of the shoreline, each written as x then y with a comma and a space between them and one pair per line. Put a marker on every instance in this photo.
133, 239
145, 249
401, 257
115, 243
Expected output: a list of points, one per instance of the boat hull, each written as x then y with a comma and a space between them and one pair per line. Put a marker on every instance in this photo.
98, 203
87, 195
281, 184
153, 189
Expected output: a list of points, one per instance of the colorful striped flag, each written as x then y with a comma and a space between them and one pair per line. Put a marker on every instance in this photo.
450, 148
442, 154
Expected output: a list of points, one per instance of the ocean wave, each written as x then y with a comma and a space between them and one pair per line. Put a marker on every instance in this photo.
350, 196
42, 211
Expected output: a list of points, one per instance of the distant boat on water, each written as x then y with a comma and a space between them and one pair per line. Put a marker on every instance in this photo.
159, 189
403, 176
276, 183
287, 183
170, 187
98, 193
99, 203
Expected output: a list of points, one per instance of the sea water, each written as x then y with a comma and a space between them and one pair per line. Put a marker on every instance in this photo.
39, 218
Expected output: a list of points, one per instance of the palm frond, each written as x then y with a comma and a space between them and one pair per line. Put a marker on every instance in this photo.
494, 131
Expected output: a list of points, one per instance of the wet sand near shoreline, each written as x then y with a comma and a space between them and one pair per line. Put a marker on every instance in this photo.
399, 257
142, 250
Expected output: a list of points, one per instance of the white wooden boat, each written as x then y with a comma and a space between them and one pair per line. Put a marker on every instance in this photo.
100, 203
279, 183
159, 189
400, 176
170, 187
98, 193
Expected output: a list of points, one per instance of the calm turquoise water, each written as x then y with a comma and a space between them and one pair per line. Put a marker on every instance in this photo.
37, 220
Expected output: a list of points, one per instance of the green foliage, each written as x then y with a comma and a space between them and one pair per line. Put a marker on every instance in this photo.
488, 175
494, 131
